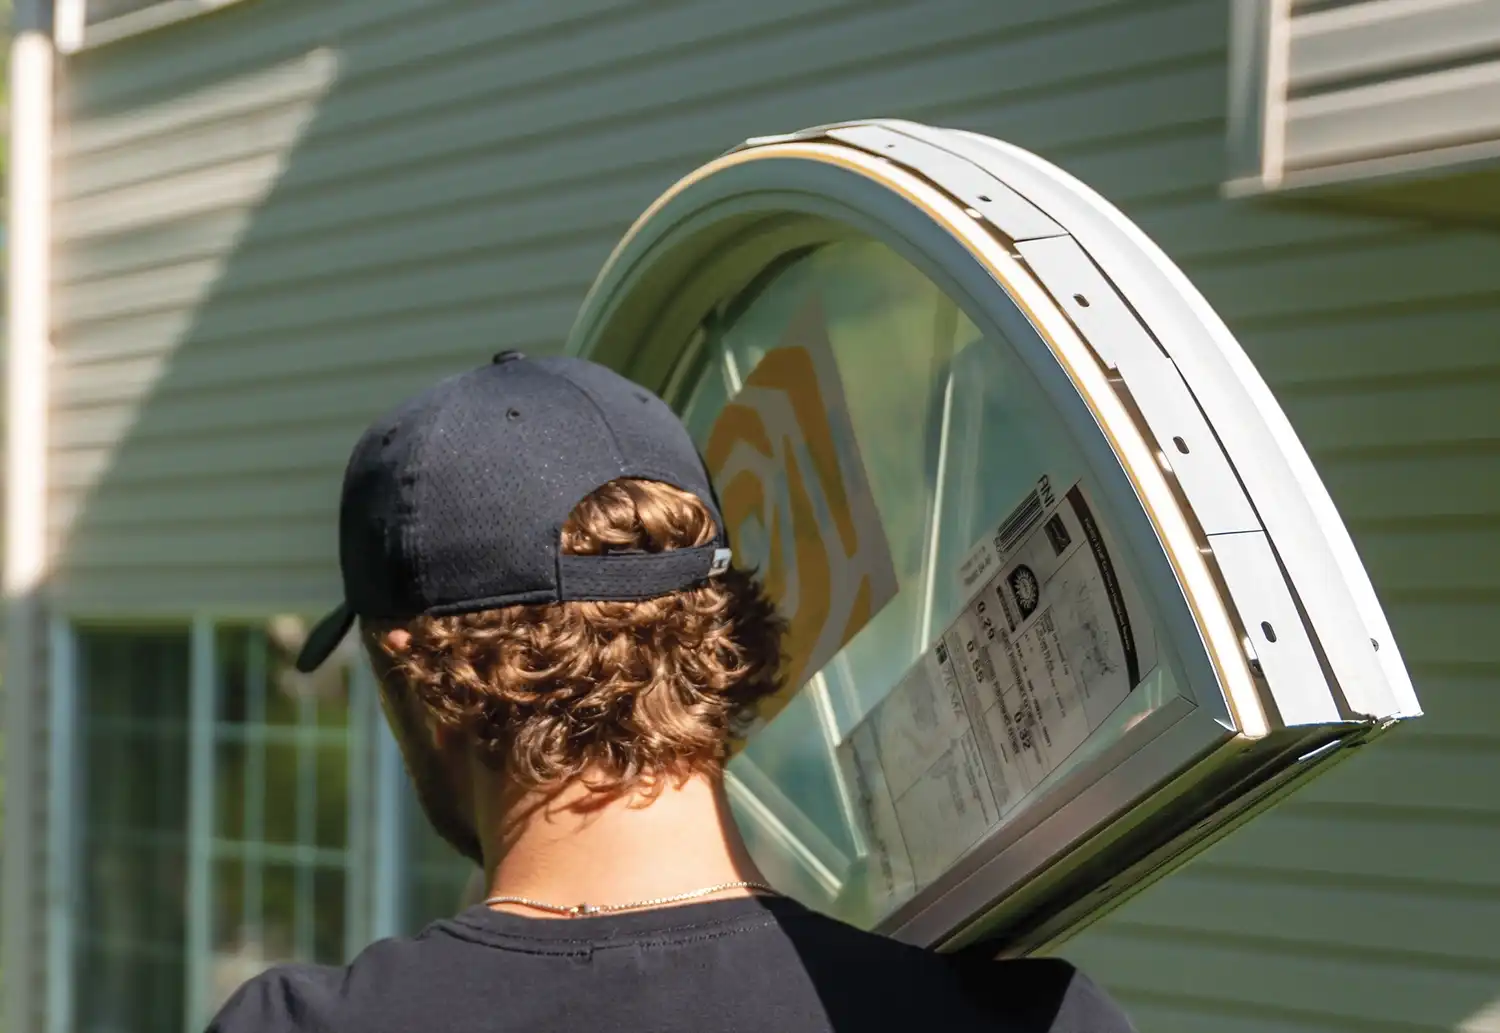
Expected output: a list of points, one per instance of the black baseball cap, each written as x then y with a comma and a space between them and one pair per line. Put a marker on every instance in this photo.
456, 501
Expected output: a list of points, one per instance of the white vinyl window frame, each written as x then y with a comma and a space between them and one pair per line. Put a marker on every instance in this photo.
73, 30
376, 809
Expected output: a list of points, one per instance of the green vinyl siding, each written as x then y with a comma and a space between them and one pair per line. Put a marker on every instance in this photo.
277, 219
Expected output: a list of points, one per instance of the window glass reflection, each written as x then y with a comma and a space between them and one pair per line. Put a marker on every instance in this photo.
962, 619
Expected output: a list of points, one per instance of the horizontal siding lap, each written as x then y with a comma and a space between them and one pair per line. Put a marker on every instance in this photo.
1435, 853
99, 273
311, 265
1144, 171
1370, 988
425, 339
221, 414
1449, 630
202, 235
374, 97
228, 113
1399, 416
1416, 773
429, 226
1405, 489
1315, 353
1409, 561
234, 186
500, 277
432, 229
1157, 95
497, 272
825, 70
1177, 1013
1389, 918
299, 449
1136, 170
203, 501
527, 268
105, 87
272, 126
1458, 704
443, 160
391, 85
145, 593
229, 543
395, 38
1204, 230
1407, 267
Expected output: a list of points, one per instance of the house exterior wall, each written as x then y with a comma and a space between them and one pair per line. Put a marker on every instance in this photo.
275, 220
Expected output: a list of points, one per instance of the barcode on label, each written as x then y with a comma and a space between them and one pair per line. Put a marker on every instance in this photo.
1021, 520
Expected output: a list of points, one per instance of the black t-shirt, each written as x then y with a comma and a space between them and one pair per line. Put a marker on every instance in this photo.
744, 964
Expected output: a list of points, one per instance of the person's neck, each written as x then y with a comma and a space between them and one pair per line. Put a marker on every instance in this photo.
571, 846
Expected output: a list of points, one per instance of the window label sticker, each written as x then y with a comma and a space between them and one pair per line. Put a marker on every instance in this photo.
1050, 642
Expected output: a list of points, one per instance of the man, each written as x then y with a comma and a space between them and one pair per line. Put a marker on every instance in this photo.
535, 559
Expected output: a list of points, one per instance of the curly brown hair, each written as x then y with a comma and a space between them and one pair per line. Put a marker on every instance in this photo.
620, 695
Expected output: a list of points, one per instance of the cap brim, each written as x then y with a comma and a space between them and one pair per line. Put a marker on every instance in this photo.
325, 638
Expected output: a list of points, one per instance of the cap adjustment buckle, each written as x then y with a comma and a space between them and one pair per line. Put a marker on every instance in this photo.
720, 562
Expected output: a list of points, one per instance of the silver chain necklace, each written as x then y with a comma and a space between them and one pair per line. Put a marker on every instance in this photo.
582, 910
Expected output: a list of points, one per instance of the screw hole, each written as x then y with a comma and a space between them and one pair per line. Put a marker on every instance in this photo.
984, 197
1375, 645
1082, 301
1181, 445
513, 414
1268, 631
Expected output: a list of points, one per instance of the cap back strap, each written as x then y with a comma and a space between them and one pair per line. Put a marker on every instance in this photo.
638, 575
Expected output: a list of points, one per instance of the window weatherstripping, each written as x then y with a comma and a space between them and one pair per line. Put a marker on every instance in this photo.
80, 24
1053, 434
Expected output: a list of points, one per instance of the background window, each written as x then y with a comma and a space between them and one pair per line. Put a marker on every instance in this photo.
281, 859
436, 875
133, 693
184, 894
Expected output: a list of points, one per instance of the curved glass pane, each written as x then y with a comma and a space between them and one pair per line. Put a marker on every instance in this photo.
965, 631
